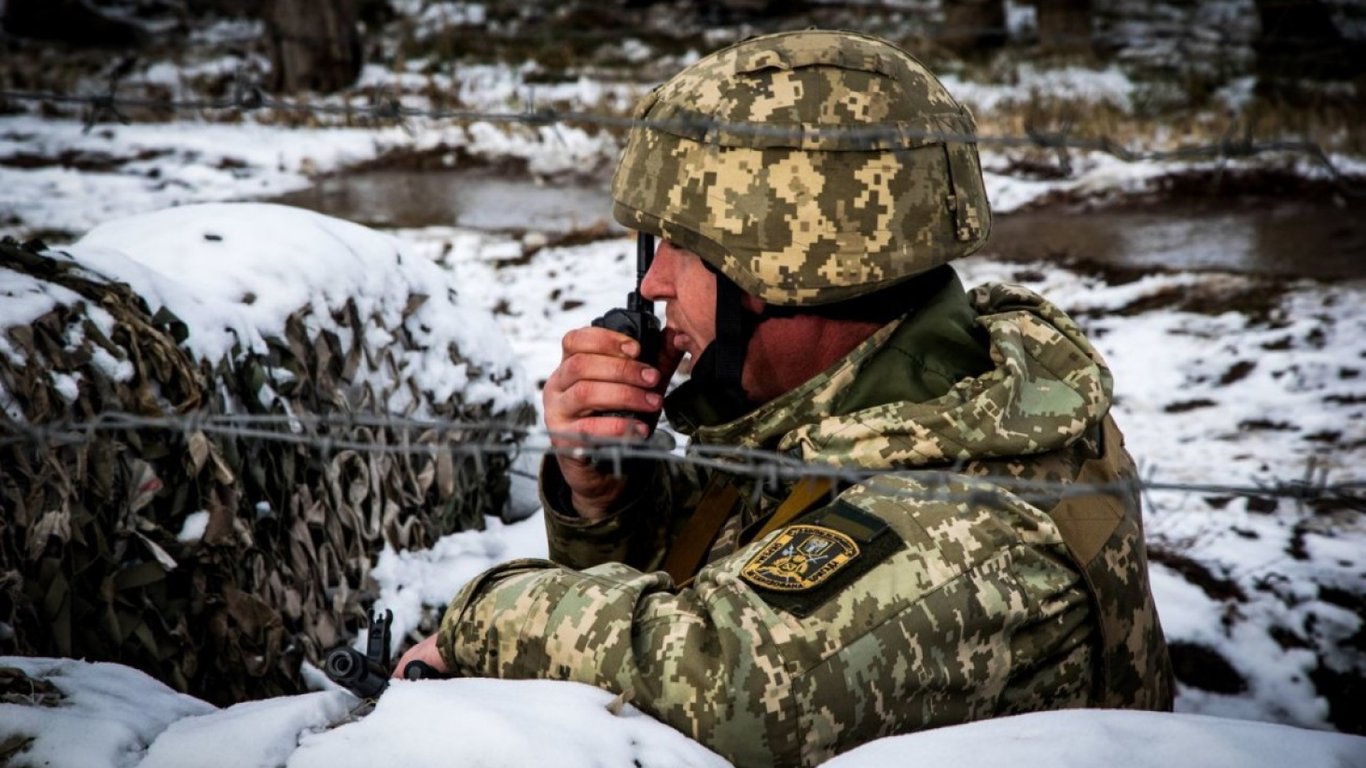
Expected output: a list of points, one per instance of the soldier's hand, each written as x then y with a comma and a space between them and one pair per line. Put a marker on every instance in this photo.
598, 374
425, 651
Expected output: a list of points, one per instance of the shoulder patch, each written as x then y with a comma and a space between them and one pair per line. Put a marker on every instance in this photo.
800, 558
810, 562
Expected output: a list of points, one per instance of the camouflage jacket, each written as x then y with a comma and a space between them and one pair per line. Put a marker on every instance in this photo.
916, 599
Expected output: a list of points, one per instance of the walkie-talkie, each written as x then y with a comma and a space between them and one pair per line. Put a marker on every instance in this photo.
638, 319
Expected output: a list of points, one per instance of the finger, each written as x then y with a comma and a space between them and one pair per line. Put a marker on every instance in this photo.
566, 400
612, 370
426, 652
591, 398
581, 432
420, 669
598, 341
397, 674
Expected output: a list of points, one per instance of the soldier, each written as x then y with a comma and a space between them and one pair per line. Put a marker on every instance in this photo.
809, 189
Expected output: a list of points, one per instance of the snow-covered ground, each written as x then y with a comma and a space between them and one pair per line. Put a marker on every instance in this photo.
111, 715
1212, 388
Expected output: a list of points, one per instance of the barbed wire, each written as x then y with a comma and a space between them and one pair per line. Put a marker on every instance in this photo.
483, 440
246, 97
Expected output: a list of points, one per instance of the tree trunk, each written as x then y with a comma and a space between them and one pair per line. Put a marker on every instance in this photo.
69, 21
974, 25
1064, 25
314, 44
1301, 39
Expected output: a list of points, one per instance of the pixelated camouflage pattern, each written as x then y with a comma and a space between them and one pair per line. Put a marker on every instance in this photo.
1048, 388
809, 167
990, 609
639, 531
979, 615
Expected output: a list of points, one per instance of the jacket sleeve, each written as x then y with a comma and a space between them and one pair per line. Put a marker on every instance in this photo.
636, 533
976, 611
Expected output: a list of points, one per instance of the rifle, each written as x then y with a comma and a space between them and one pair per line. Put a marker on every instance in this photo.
367, 674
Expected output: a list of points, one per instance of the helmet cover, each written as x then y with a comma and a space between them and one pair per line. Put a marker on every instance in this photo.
809, 167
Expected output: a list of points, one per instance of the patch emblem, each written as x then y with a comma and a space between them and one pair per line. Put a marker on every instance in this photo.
802, 557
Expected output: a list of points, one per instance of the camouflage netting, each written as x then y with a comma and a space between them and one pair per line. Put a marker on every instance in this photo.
215, 561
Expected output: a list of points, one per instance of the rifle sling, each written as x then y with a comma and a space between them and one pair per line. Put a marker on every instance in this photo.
688, 551
689, 548
805, 493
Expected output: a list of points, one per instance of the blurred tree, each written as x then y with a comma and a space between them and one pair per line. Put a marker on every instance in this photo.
1064, 25
974, 25
1305, 39
314, 44
71, 21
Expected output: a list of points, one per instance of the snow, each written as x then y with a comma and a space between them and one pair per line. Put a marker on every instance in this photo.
254, 733
1107, 86
488, 722
67, 386
115, 716
1087, 738
194, 526
430, 577
69, 179
143, 167
27, 299
453, 14
1159, 358
235, 272
116, 171
110, 713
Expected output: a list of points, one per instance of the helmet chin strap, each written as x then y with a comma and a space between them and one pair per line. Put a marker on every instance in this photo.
717, 370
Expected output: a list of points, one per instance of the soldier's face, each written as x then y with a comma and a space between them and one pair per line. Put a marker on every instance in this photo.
678, 278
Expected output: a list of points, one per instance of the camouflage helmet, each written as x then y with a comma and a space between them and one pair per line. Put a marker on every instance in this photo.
808, 167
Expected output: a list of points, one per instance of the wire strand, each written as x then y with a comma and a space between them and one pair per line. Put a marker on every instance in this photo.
507, 440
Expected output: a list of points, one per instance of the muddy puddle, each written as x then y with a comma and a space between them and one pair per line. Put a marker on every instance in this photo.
1323, 240
476, 199
1287, 239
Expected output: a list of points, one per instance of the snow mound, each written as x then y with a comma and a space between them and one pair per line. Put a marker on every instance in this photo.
112, 714
500, 724
237, 273
254, 733
107, 714
1087, 738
